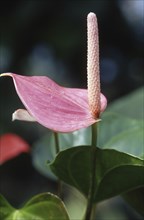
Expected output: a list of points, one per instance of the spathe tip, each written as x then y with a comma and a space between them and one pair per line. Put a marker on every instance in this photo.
5, 74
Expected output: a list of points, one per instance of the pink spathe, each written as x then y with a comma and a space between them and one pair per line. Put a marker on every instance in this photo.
55, 107
58, 108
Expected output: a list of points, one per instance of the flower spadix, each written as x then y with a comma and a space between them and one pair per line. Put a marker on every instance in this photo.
93, 75
59, 108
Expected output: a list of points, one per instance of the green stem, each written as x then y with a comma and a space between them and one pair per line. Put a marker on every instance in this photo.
94, 135
57, 147
89, 209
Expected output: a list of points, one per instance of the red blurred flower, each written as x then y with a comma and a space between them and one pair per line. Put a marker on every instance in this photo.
11, 145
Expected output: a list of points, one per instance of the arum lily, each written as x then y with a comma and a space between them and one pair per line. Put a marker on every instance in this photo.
59, 108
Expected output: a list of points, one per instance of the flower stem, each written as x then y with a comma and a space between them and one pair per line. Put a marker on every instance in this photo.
94, 135
57, 147
89, 209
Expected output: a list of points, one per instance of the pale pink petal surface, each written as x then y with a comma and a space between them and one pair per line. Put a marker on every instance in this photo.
57, 108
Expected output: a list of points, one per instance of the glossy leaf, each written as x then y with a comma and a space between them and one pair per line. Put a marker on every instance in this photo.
113, 168
113, 124
136, 199
43, 151
120, 133
131, 105
41, 207
133, 137
11, 145
75, 203
57, 108
115, 132
5, 209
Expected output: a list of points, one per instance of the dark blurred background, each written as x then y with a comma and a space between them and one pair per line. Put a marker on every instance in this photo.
40, 37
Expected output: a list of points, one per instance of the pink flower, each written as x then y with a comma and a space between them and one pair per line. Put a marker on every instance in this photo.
11, 145
58, 108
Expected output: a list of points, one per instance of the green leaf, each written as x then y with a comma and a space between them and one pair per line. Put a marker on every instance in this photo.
136, 199
128, 176
126, 135
5, 208
116, 172
130, 141
44, 149
40, 207
130, 105
75, 203
113, 124
115, 132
